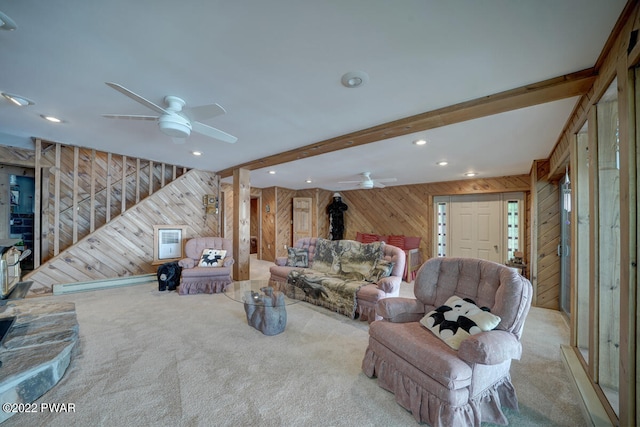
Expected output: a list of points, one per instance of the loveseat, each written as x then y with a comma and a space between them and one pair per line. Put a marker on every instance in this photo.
446, 354
343, 275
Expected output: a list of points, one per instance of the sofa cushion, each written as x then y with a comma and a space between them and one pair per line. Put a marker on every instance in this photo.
323, 260
382, 268
346, 258
458, 319
212, 258
419, 347
358, 260
297, 257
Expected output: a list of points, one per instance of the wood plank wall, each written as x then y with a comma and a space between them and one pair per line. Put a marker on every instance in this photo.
546, 266
17, 156
408, 209
124, 246
268, 238
87, 188
284, 218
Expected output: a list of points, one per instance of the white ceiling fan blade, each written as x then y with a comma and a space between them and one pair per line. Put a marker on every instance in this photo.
204, 112
378, 184
123, 90
213, 132
350, 182
7, 23
129, 117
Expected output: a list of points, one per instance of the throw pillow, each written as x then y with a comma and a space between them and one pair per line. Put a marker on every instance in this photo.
397, 241
369, 238
297, 257
458, 319
383, 268
212, 258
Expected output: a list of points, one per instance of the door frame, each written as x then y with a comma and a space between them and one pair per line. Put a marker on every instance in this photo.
504, 198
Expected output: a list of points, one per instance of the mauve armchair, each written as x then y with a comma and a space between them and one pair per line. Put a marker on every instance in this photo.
438, 384
211, 279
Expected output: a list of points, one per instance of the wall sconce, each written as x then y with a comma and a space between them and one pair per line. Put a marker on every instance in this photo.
210, 202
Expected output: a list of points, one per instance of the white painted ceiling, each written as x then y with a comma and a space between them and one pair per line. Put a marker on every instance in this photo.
275, 66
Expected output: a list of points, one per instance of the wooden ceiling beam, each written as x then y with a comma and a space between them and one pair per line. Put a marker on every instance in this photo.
574, 84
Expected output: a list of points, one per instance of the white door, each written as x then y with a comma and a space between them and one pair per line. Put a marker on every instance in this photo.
302, 220
476, 227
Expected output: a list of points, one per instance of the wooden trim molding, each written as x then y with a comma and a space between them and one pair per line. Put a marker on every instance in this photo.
554, 89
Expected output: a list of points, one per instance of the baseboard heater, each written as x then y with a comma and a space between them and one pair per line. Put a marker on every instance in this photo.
67, 288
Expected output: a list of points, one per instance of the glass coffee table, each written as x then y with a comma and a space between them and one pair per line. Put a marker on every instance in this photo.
264, 306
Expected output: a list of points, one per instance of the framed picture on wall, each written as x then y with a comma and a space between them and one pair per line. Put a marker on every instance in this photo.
168, 243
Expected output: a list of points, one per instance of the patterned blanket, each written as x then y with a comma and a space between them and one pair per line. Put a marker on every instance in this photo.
340, 269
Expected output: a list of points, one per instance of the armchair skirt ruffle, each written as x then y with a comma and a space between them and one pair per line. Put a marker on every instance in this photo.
435, 404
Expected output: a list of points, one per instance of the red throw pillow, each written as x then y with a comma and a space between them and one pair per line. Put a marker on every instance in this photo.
369, 238
359, 237
397, 241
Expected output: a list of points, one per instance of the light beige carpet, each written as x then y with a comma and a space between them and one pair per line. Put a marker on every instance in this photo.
150, 358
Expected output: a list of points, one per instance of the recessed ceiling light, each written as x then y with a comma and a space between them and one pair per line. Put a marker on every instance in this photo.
272, 172
420, 142
308, 181
442, 163
18, 100
197, 153
51, 118
354, 79
471, 174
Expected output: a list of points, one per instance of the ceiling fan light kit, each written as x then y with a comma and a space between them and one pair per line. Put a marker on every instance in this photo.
174, 126
366, 185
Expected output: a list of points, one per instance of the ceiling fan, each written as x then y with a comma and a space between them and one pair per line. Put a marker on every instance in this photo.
175, 119
367, 182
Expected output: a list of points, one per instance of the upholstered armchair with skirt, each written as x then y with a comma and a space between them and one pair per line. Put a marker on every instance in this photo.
446, 354
207, 266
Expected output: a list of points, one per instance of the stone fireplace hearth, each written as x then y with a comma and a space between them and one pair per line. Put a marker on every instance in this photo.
36, 350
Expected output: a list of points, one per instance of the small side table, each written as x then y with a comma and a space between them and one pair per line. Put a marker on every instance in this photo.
412, 264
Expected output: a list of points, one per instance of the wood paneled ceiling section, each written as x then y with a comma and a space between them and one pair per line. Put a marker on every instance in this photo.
574, 84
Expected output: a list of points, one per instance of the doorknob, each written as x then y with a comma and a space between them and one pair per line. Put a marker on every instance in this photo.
495, 247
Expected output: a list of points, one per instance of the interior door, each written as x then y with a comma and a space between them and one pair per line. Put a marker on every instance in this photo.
302, 218
476, 230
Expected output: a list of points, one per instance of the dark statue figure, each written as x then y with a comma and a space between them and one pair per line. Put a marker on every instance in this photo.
336, 211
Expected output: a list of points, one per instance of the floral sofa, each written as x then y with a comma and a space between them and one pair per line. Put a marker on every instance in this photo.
345, 276
409, 244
